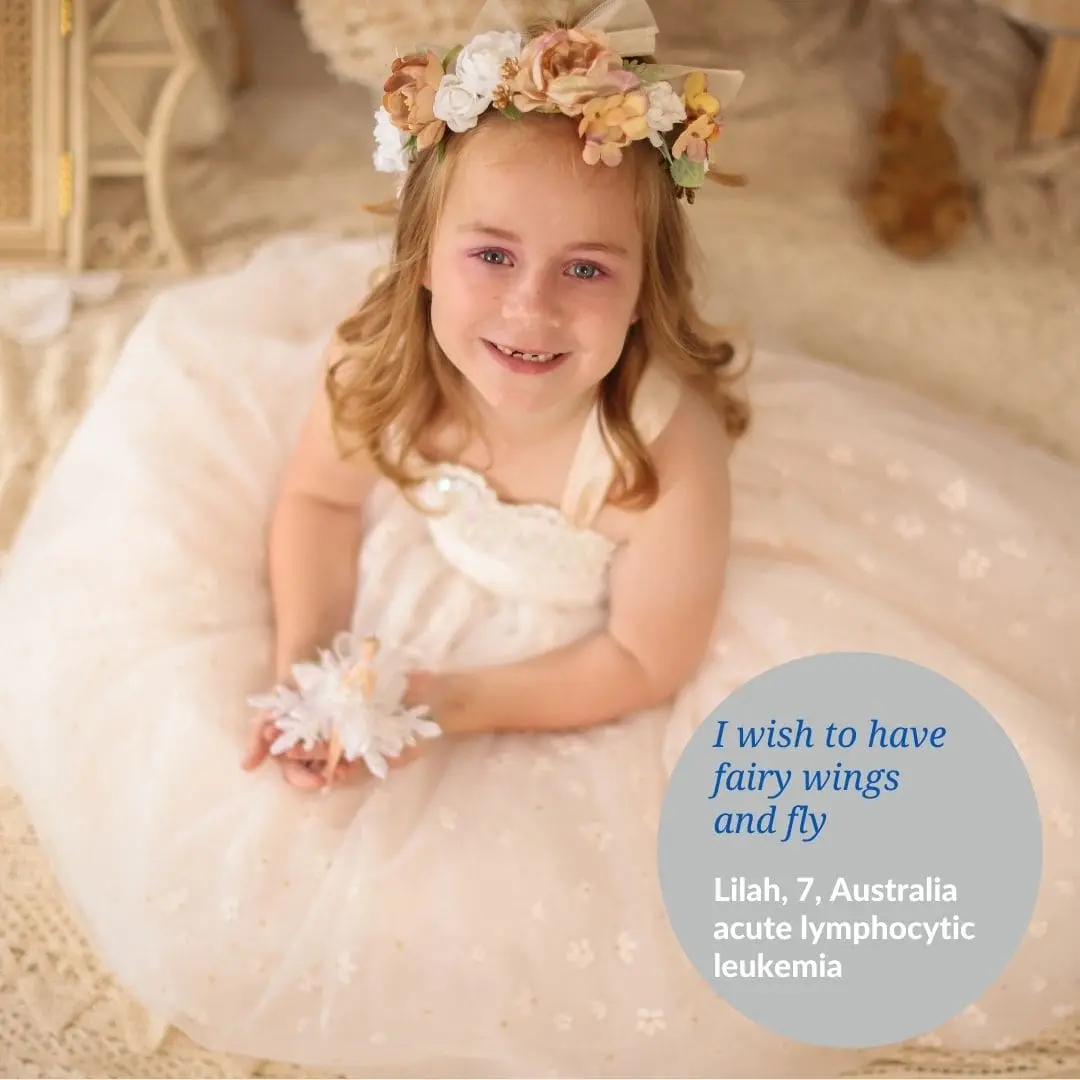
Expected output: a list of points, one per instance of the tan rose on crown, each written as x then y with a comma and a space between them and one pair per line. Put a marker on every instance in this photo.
409, 97
566, 68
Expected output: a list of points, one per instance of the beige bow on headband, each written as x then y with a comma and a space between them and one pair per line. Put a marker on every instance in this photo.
631, 29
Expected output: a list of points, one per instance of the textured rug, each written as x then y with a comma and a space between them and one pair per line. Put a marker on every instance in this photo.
993, 328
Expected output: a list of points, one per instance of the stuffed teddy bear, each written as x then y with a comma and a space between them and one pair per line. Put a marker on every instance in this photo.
917, 202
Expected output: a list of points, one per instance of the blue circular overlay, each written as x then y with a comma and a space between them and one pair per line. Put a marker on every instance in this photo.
850, 850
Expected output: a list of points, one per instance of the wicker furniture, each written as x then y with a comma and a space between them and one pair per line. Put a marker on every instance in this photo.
89, 90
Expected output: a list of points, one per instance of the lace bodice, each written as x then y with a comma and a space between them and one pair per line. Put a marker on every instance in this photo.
535, 552
529, 552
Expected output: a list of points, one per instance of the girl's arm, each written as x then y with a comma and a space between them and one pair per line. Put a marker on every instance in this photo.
314, 541
666, 588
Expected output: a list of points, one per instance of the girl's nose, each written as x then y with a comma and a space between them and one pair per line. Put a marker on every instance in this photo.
534, 300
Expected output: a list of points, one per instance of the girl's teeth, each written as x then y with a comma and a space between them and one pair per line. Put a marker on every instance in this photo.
536, 358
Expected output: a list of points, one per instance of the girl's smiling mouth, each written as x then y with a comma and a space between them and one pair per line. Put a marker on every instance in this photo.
522, 361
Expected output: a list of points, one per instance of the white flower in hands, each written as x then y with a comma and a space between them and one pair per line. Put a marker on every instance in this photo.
276, 714
457, 105
666, 109
378, 727
296, 731
390, 153
303, 713
479, 64
349, 706
281, 702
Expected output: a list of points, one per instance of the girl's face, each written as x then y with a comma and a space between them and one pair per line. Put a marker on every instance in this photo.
535, 267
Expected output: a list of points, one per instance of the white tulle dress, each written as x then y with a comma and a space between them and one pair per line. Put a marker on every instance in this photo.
493, 908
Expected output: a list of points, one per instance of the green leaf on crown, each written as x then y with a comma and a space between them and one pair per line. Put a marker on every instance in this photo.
512, 111
647, 73
450, 59
687, 173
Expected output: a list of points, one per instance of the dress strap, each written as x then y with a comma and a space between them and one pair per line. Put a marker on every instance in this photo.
593, 469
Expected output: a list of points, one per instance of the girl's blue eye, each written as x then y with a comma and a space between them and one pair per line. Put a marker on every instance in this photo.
591, 271
489, 256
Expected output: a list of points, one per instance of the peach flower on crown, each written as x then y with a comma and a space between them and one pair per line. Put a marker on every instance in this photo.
409, 97
703, 128
565, 68
611, 123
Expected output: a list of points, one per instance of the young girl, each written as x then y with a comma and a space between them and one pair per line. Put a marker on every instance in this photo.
546, 376
525, 459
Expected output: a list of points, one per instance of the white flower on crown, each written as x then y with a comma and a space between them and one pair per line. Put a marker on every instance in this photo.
457, 105
480, 63
666, 109
390, 153
467, 92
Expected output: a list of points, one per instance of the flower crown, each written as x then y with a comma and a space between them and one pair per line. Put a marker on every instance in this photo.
572, 71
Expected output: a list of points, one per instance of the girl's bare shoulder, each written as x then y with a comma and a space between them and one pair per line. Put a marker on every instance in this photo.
695, 445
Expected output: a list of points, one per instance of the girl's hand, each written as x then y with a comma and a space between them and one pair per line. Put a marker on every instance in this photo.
444, 695
299, 767
262, 734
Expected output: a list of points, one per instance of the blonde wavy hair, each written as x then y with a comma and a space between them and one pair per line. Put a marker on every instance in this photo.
390, 374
